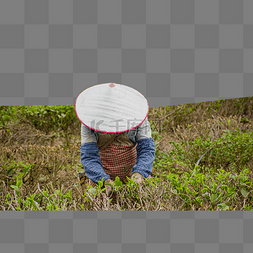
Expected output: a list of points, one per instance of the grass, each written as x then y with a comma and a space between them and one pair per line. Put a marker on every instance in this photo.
203, 160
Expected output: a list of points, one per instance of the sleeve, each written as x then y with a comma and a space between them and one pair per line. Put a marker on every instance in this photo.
90, 157
87, 135
145, 150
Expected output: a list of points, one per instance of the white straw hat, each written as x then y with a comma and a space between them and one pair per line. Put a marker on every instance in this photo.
111, 108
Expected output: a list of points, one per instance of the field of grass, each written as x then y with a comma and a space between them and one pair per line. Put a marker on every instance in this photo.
203, 160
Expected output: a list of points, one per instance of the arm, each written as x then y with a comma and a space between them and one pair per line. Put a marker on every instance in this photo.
90, 158
145, 150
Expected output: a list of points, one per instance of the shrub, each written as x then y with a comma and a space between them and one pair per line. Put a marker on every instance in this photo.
231, 150
49, 118
7, 113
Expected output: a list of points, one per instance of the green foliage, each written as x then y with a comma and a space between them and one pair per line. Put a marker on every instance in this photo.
49, 118
204, 173
7, 113
220, 188
17, 170
40, 201
231, 149
117, 182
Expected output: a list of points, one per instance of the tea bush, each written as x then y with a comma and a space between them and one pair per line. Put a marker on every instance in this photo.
50, 118
231, 150
7, 113
205, 165
217, 190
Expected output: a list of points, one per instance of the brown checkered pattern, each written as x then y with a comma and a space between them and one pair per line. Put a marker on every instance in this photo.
118, 156
118, 160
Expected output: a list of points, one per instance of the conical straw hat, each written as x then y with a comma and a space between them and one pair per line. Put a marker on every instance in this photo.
111, 108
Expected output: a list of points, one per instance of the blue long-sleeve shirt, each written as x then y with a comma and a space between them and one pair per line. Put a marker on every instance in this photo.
90, 157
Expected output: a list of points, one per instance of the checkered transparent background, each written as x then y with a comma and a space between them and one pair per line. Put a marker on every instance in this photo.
173, 52
128, 231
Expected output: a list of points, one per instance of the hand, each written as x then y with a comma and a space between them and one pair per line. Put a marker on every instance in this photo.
137, 177
108, 186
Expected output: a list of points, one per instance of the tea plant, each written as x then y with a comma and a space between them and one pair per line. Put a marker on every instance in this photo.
203, 161
50, 118
7, 113
231, 150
